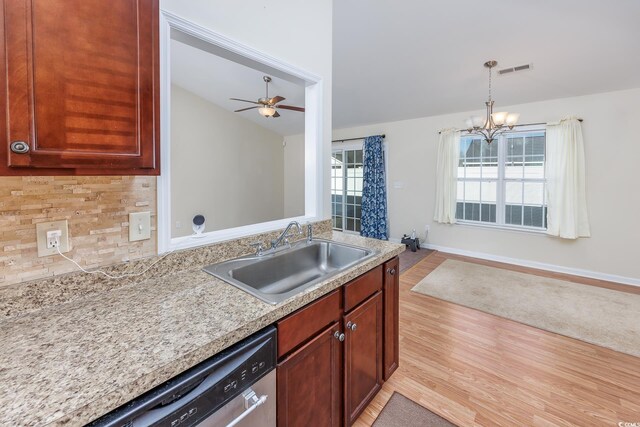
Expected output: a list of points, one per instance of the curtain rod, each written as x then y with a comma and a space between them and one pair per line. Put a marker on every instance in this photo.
524, 124
354, 139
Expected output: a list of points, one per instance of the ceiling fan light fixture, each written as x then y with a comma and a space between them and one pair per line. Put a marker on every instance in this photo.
266, 111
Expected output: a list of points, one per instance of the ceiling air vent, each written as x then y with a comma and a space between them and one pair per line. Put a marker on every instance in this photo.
510, 70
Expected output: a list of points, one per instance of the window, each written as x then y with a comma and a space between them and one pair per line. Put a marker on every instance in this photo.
503, 183
346, 189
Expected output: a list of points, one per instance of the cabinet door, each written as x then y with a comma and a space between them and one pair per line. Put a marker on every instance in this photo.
363, 356
391, 289
81, 83
310, 383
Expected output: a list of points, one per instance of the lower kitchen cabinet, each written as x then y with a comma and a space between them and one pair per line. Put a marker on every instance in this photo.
335, 353
362, 356
391, 295
310, 383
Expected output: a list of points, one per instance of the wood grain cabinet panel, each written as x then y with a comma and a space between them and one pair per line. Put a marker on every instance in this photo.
310, 383
361, 288
362, 356
391, 294
363, 343
81, 85
298, 327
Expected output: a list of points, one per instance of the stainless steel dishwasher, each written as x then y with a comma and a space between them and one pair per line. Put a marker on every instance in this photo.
236, 387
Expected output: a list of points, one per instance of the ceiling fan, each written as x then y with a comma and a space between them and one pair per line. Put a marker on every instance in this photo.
267, 106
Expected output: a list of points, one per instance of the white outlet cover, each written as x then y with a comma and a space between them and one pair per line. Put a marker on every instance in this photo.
41, 237
139, 226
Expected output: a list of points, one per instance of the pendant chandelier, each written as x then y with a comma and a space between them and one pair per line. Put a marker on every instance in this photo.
494, 123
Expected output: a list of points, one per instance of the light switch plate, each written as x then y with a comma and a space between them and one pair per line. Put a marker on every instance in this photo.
41, 237
139, 226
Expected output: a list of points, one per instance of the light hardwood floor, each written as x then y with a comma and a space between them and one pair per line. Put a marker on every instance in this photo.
477, 369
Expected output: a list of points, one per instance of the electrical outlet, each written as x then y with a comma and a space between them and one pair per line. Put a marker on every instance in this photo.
53, 238
50, 234
139, 226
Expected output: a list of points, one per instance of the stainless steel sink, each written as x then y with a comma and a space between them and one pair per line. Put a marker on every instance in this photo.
274, 277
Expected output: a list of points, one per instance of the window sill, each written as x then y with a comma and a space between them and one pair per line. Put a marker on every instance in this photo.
529, 230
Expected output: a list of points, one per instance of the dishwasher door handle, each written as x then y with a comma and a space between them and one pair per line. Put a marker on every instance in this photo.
251, 403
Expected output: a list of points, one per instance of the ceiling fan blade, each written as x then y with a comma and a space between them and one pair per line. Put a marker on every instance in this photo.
276, 114
290, 107
276, 99
244, 100
245, 109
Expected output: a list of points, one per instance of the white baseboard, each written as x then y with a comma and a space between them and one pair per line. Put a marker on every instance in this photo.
533, 264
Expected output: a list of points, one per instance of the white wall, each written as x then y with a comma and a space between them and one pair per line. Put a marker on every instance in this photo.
303, 39
294, 176
223, 166
612, 156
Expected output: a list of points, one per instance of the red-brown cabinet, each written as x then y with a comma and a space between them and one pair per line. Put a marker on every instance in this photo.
333, 352
80, 85
310, 383
391, 288
362, 356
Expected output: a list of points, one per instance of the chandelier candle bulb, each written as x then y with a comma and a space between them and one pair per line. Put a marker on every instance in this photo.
469, 123
499, 118
512, 119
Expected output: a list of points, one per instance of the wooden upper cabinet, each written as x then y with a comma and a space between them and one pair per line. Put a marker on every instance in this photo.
81, 86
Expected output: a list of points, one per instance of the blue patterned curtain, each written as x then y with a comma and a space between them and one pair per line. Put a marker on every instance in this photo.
374, 190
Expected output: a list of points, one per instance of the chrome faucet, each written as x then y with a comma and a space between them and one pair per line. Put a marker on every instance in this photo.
285, 235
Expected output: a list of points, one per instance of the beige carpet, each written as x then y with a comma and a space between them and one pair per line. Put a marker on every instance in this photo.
600, 316
403, 412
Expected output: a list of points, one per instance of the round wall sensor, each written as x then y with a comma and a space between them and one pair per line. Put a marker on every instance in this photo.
198, 224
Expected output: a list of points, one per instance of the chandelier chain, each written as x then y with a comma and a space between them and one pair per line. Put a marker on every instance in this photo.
490, 84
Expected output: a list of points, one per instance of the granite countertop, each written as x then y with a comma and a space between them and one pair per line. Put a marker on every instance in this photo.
69, 363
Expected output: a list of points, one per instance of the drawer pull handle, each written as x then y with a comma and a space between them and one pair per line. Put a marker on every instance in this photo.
352, 326
19, 147
339, 336
391, 271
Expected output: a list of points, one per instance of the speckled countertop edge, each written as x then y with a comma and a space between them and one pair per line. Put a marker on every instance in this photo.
233, 328
23, 298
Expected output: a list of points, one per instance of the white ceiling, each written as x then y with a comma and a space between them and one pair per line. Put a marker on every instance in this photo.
217, 79
416, 58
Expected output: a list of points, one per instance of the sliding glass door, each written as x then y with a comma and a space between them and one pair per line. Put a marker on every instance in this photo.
346, 189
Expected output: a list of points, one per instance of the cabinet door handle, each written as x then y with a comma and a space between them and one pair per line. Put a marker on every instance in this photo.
391, 271
20, 147
352, 326
339, 336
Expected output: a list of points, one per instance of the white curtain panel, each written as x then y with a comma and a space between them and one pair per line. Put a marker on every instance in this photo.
447, 176
565, 174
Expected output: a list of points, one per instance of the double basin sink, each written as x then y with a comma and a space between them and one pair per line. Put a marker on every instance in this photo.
277, 276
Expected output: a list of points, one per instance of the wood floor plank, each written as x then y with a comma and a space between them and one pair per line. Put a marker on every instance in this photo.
477, 369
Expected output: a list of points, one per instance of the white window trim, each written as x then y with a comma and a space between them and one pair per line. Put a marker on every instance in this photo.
501, 188
314, 137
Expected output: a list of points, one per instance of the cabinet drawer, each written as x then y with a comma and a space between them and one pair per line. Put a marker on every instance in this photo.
362, 288
309, 320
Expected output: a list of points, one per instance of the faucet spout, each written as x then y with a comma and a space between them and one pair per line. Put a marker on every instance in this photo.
284, 237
